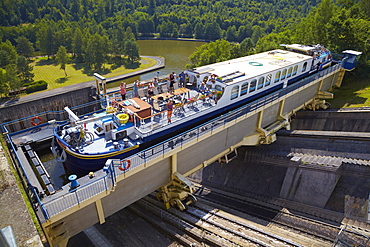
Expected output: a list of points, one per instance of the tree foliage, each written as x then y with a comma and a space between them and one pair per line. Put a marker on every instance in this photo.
62, 58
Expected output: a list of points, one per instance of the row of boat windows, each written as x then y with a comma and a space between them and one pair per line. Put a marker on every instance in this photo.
264, 81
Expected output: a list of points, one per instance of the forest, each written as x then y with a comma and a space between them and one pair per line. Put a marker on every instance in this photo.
97, 31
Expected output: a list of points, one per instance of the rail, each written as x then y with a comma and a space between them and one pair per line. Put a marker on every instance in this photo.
64, 202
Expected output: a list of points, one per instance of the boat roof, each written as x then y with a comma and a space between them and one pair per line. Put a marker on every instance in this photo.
300, 47
352, 52
232, 71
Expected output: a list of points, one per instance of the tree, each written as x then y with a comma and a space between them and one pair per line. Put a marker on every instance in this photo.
24, 47
199, 31
62, 58
4, 87
12, 78
231, 34
8, 51
210, 53
212, 31
24, 69
77, 44
45, 37
246, 47
132, 50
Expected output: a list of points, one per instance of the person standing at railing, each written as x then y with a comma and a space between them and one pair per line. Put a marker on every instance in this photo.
122, 89
169, 106
136, 88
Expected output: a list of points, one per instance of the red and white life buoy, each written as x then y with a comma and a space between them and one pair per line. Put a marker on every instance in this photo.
36, 121
125, 165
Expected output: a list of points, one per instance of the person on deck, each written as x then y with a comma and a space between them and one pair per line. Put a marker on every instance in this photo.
122, 89
171, 78
182, 79
156, 82
169, 106
150, 88
136, 88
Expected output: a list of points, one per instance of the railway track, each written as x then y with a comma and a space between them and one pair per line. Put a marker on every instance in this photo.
225, 219
277, 216
201, 225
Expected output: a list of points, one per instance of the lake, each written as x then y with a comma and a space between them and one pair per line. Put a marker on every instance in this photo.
175, 52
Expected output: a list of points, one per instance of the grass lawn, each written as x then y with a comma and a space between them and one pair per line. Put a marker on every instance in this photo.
352, 93
46, 70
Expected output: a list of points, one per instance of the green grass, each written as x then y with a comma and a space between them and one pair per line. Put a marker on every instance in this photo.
46, 70
352, 93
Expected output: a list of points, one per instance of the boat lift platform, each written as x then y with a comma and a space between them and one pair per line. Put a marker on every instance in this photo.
73, 209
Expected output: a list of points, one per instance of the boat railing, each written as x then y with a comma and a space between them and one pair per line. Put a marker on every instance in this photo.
60, 203
75, 196
141, 124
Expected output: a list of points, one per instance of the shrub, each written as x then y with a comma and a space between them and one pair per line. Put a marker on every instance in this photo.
37, 86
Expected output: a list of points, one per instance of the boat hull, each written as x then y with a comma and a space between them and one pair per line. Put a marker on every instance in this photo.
82, 164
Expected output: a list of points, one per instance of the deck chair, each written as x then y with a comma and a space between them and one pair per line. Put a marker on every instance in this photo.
175, 85
155, 91
164, 89
142, 95
156, 106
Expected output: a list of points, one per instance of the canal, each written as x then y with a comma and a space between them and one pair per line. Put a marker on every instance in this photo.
175, 52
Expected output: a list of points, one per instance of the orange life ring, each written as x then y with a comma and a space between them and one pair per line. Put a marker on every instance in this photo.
125, 164
35, 123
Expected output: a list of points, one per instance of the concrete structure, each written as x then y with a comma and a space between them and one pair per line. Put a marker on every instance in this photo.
257, 125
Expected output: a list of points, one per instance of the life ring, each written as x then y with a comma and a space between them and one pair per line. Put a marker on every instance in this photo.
36, 121
124, 164
255, 64
110, 109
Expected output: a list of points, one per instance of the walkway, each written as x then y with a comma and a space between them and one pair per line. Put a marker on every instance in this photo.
13, 210
160, 63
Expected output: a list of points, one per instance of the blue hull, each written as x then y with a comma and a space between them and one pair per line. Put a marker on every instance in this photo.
82, 167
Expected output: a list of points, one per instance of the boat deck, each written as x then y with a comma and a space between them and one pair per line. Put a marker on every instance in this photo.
34, 134
186, 104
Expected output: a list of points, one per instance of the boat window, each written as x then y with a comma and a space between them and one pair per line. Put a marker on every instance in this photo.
219, 88
289, 72
261, 80
304, 66
323, 59
283, 75
295, 70
268, 79
234, 92
277, 76
253, 85
244, 89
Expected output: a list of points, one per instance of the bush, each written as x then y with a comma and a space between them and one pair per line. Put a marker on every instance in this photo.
37, 86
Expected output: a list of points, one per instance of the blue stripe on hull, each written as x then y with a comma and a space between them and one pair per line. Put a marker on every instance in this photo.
81, 166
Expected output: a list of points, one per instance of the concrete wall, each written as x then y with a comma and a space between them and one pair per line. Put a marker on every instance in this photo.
38, 104
332, 121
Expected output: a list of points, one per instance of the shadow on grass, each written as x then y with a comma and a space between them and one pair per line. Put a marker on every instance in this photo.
45, 62
132, 65
61, 80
